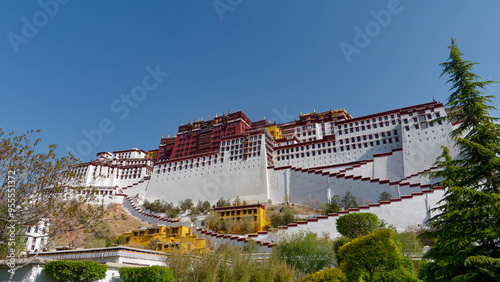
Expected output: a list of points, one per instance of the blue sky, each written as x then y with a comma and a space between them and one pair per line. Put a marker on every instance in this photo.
66, 66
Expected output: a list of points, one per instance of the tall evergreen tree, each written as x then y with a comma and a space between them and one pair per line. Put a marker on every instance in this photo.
466, 228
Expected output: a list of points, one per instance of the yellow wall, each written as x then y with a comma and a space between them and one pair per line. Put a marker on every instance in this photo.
152, 154
174, 237
257, 214
275, 131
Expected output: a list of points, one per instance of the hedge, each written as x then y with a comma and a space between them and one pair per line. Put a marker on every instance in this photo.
326, 275
146, 274
75, 270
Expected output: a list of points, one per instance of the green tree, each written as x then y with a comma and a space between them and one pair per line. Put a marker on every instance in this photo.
370, 255
203, 206
206, 206
332, 206
285, 216
223, 203
38, 184
337, 203
305, 252
237, 202
337, 243
354, 225
187, 204
466, 228
404, 273
348, 201
384, 196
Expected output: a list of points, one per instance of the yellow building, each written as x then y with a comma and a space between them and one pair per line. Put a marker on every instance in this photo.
152, 154
275, 131
239, 216
166, 238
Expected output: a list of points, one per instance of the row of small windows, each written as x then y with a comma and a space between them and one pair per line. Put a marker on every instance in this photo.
368, 126
306, 154
190, 161
138, 162
368, 137
94, 192
369, 144
423, 118
374, 121
237, 212
340, 148
257, 154
423, 125
189, 166
306, 147
124, 155
252, 149
251, 144
309, 133
130, 176
241, 140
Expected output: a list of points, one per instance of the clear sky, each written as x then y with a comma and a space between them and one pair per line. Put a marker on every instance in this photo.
113, 75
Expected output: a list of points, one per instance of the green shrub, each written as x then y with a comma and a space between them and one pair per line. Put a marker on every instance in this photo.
358, 224
75, 270
305, 252
146, 274
283, 218
337, 243
328, 274
375, 257
405, 273
121, 240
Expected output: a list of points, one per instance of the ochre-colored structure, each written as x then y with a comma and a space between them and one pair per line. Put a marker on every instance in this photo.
152, 154
167, 238
275, 131
255, 214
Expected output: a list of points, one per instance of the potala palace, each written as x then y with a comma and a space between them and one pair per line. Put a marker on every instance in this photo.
313, 158
307, 160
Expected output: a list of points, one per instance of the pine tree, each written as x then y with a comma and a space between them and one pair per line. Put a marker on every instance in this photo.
466, 228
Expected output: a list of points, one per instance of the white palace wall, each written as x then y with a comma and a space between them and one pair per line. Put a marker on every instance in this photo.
422, 142
402, 213
384, 152
246, 179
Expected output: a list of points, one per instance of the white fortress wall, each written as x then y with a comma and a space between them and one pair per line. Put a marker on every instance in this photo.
245, 178
388, 166
365, 189
137, 188
364, 169
408, 211
422, 141
279, 185
307, 187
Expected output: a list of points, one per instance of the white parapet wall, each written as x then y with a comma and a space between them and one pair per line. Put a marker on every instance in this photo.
246, 179
402, 213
